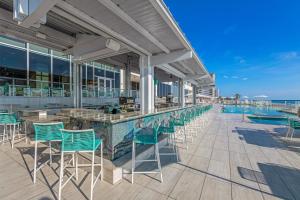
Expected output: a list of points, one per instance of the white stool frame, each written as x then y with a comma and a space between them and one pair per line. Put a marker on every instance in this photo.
62, 168
134, 161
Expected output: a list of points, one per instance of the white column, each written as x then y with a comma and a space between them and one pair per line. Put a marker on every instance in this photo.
181, 93
128, 78
77, 86
146, 85
194, 94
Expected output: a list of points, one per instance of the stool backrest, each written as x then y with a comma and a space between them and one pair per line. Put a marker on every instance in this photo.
48, 131
294, 123
78, 140
7, 118
155, 127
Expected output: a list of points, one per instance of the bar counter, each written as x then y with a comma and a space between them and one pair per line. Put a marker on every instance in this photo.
116, 130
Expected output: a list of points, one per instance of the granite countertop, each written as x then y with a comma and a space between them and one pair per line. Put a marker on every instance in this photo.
46, 119
95, 115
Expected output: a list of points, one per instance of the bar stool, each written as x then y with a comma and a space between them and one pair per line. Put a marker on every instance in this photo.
45, 132
8, 120
80, 141
293, 124
147, 136
180, 122
169, 129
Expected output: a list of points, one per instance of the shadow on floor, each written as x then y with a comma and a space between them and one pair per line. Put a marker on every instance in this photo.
258, 137
282, 181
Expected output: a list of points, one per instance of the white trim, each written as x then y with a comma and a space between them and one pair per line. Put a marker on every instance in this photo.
120, 13
41, 11
100, 28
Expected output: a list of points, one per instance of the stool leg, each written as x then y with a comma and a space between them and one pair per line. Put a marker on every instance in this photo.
13, 135
35, 162
292, 134
288, 132
185, 138
101, 161
50, 146
158, 162
92, 178
76, 166
132, 162
61, 175
175, 147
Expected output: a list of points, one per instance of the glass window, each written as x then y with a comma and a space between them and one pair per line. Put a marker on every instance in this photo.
59, 54
83, 75
117, 80
61, 77
39, 48
99, 72
39, 73
90, 80
13, 71
17, 43
109, 74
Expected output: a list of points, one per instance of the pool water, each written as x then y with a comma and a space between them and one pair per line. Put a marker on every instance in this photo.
261, 111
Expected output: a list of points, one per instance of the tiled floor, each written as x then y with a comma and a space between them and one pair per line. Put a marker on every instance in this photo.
230, 159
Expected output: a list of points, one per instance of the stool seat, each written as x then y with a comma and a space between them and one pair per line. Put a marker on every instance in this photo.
82, 146
145, 136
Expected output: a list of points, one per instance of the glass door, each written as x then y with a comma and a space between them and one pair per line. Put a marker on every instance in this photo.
108, 86
101, 87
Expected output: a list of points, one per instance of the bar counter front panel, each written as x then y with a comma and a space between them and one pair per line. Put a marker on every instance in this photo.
117, 132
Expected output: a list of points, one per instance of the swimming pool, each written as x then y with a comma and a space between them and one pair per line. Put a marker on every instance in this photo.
278, 118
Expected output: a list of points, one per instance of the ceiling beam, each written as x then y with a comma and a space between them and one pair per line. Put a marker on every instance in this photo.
168, 68
186, 67
87, 20
40, 11
196, 77
174, 56
54, 39
97, 55
125, 17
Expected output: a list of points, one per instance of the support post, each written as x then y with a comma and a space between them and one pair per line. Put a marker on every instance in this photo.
77, 85
181, 93
194, 94
146, 85
128, 77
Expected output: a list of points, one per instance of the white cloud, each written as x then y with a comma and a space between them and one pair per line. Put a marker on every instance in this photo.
225, 76
239, 59
234, 77
244, 79
291, 55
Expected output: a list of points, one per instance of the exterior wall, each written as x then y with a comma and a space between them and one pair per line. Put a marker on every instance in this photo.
36, 77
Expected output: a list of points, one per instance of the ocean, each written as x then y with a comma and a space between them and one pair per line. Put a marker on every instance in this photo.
287, 102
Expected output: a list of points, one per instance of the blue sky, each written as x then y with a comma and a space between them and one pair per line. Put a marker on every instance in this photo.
252, 46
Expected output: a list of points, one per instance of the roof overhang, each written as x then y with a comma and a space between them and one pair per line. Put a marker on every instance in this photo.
83, 28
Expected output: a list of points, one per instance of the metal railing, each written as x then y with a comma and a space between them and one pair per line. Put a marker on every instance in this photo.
109, 92
21, 90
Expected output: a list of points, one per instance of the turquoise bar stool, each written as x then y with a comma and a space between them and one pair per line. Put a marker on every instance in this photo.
180, 122
80, 141
10, 124
169, 129
45, 133
146, 136
294, 124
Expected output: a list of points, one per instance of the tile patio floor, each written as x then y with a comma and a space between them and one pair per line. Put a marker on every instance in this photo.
230, 159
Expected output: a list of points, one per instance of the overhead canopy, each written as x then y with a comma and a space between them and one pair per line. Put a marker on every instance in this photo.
99, 29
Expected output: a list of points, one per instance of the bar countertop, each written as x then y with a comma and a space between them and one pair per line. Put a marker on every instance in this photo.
96, 115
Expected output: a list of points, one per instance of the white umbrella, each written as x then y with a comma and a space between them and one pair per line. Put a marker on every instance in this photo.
261, 96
